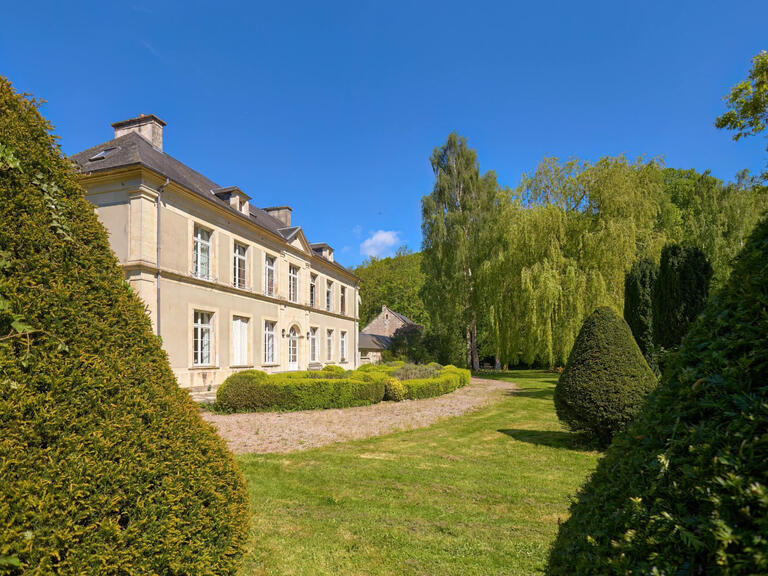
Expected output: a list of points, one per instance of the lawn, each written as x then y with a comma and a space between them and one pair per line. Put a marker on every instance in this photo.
475, 494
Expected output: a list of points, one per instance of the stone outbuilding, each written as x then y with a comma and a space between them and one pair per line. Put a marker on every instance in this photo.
377, 335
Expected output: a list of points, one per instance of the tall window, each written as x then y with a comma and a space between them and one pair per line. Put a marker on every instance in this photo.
343, 346
238, 266
293, 284
313, 290
329, 344
313, 356
269, 276
269, 342
239, 341
328, 295
201, 253
293, 348
343, 300
201, 339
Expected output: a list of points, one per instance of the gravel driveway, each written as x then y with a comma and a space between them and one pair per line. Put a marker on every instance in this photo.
289, 431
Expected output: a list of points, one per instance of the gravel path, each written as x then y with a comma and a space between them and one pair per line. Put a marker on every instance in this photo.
288, 431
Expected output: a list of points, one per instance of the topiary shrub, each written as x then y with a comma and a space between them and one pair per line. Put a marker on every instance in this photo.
412, 371
685, 489
681, 292
106, 465
394, 390
239, 391
639, 286
448, 380
606, 379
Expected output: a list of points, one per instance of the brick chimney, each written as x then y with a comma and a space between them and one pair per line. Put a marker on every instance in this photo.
149, 126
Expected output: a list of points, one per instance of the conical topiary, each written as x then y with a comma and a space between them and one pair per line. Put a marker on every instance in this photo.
606, 379
105, 464
685, 489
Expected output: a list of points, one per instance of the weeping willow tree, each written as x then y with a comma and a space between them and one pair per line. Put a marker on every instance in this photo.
571, 232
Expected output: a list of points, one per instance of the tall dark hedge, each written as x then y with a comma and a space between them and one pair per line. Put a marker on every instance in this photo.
639, 284
105, 464
606, 379
685, 490
681, 292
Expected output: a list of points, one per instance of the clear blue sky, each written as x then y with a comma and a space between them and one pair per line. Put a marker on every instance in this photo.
335, 108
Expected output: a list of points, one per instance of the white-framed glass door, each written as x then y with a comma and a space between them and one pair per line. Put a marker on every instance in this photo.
293, 349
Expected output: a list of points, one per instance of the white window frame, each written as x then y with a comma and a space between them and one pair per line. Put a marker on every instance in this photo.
202, 333
270, 342
313, 290
239, 265
343, 346
293, 283
343, 300
270, 268
328, 296
329, 344
313, 351
240, 340
201, 246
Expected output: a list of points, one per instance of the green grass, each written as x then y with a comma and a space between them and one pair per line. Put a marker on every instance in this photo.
475, 494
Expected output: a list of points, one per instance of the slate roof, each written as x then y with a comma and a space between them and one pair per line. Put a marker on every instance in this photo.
372, 342
401, 317
131, 149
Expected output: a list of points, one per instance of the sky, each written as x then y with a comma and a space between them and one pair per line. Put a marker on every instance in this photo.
334, 108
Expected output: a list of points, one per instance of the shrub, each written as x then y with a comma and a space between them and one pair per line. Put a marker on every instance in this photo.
435, 366
412, 371
685, 489
239, 390
305, 391
639, 285
106, 465
606, 379
681, 292
394, 390
447, 381
332, 369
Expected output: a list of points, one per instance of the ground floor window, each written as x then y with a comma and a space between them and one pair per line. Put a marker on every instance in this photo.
343, 346
201, 338
293, 348
313, 356
329, 344
269, 342
239, 341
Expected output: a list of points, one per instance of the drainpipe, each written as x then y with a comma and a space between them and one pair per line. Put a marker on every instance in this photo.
157, 287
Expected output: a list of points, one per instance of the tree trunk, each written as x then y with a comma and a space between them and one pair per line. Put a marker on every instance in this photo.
469, 346
475, 356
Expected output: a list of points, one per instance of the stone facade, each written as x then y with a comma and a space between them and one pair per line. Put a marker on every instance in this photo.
386, 323
258, 277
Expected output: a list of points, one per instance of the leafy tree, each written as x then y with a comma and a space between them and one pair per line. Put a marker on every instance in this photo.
106, 465
606, 379
747, 102
681, 293
456, 218
396, 282
639, 285
407, 343
684, 489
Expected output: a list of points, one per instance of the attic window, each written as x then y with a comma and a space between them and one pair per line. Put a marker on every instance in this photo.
101, 155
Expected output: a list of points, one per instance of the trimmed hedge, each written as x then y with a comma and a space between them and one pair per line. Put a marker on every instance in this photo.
299, 391
685, 489
105, 464
252, 390
606, 379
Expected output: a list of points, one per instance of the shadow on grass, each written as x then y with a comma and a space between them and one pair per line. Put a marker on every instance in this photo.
551, 438
533, 392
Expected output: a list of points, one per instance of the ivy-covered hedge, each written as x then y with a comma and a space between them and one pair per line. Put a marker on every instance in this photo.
105, 464
252, 390
685, 489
